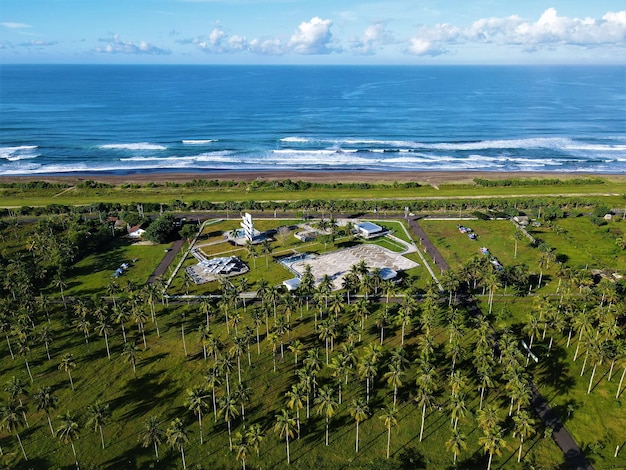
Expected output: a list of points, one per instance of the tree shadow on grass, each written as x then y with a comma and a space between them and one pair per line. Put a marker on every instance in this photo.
146, 393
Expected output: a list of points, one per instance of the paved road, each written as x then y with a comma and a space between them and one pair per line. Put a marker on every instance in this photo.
166, 261
561, 436
428, 246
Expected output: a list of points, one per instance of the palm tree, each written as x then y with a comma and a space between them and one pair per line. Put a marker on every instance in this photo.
390, 418
177, 437
46, 401
295, 398
196, 402
285, 426
524, 426
456, 444
492, 442
326, 405
404, 317
99, 414
242, 446
394, 377
152, 434
67, 364
45, 337
129, 354
426, 384
68, 432
229, 409
359, 411
367, 370
254, 435
13, 415
242, 395
266, 249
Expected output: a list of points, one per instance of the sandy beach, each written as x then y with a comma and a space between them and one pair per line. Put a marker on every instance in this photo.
421, 177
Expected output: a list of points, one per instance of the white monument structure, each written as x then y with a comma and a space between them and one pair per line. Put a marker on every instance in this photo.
248, 226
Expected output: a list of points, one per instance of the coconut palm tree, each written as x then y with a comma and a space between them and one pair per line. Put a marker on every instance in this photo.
46, 401
177, 437
196, 402
129, 354
285, 426
68, 432
255, 436
393, 376
525, 427
45, 337
426, 385
390, 417
152, 434
492, 442
229, 409
359, 411
456, 444
12, 419
404, 317
99, 414
326, 405
241, 447
295, 401
67, 364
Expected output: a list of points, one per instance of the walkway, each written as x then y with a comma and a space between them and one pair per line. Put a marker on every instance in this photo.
561, 436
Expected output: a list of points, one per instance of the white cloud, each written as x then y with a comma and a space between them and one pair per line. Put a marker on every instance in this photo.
312, 37
12, 25
374, 37
433, 40
115, 45
549, 31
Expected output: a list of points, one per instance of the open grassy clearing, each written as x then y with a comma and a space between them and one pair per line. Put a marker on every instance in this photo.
580, 243
12, 197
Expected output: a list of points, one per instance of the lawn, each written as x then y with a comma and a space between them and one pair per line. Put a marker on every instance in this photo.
92, 274
580, 243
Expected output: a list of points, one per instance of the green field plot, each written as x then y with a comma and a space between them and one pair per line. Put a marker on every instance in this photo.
580, 243
92, 274
498, 236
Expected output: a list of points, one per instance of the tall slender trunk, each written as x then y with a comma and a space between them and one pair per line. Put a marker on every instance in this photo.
593, 372
357, 437
182, 454
423, 418
388, 439
21, 446
101, 436
106, 341
71, 381
619, 386
200, 424
10, 348
519, 455
50, 424
75, 457
287, 438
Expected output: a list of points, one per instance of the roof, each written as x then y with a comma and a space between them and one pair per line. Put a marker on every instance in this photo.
292, 284
369, 227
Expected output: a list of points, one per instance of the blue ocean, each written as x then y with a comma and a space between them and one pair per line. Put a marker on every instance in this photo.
64, 119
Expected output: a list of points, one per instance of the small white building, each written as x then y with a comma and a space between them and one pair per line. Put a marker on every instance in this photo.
292, 284
135, 232
369, 229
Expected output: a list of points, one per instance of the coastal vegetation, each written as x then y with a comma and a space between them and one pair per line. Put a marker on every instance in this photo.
102, 371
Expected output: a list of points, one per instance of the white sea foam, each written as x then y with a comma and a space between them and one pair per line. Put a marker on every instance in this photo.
134, 146
198, 141
295, 139
21, 152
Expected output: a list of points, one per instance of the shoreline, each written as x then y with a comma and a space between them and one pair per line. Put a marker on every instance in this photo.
313, 176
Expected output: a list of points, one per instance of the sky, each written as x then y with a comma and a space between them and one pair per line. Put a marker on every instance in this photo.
313, 31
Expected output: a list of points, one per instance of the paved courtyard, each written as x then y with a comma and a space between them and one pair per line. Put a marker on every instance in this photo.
337, 263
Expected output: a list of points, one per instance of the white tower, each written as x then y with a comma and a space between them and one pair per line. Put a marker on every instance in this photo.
248, 226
